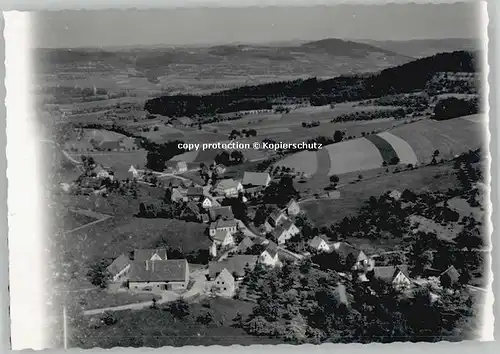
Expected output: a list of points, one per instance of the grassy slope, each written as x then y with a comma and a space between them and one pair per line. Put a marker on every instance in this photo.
325, 212
156, 328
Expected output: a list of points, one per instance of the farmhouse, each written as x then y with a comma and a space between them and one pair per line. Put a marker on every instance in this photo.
225, 213
237, 265
256, 179
293, 208
207, 203
159, 275
285, 231
449, 277
223, 238
350, 255
319, 243
119, 268
222, 225
269, 256
224, 284
229, 188
396, 275
158, 254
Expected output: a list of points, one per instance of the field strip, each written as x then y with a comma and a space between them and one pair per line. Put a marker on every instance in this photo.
323, 160
353, 155
386, 150
304, 161
402, 148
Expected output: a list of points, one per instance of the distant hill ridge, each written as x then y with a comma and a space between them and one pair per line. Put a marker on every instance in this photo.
400, 79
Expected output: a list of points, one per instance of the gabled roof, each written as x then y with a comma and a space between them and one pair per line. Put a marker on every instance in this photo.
195, 191
235, 265
184, 120
225, 274
276, 215
272, 249
118, 264
223, 223
316, 241
169, 270
287, 224
176, 194
292, 202
256, 178
142, 255
452, 273
277, 232
245, 244
220, 235
344, 249
388, 273
225, 212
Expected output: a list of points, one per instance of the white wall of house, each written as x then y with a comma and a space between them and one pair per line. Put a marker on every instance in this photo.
401, 281
323, 246
122, 275
265, 258
207, 203
224, 285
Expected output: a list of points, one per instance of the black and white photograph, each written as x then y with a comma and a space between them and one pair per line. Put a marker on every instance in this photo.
263, 175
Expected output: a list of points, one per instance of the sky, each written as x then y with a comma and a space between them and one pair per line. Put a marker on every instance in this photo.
198, 26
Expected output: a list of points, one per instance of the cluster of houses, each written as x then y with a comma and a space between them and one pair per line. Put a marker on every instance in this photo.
150, 270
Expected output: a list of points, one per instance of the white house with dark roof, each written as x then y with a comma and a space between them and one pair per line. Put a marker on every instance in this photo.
319, 243
150, 275
236, 266
397, 276
269, 256
224, 284
256, 179
223, 225
223, 238
293, 208
285, 231
120, 268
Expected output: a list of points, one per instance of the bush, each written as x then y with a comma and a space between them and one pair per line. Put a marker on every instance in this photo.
453, 107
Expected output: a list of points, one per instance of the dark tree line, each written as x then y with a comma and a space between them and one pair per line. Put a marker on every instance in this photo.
401, 79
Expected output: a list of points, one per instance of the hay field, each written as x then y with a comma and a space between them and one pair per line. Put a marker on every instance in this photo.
450, 137
353, 155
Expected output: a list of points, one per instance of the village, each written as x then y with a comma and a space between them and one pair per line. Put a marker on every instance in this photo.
237, 246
